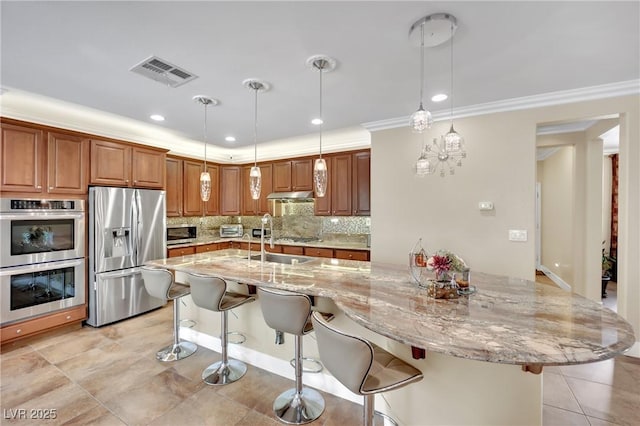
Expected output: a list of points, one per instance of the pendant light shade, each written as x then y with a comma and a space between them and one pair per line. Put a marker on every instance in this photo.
255, 175
205, 178
420, 120
321, 64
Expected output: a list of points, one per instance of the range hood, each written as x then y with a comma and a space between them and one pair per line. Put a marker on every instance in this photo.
291, 196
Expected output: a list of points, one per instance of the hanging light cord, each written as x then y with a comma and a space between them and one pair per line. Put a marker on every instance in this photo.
451, 65
421, 63
255, 129
205, 135
321, 65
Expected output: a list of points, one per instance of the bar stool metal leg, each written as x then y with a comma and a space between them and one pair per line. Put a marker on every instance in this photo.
299, 405
226, 370
179, 350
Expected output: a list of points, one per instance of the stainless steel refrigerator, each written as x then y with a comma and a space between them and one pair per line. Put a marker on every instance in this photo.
126, 229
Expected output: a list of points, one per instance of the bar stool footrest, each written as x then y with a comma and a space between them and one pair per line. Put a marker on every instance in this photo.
309, 365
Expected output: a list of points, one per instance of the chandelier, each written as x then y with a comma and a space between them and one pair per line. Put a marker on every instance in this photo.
448, 151
205, 178
321, 64
255, 176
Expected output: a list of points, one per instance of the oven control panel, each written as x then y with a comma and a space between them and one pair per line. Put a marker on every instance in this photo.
42, 205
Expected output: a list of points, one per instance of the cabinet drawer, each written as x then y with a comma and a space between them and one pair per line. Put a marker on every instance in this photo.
352, 254
206, 248
293, 250
318, 252
182, 251
275, 249
44, 323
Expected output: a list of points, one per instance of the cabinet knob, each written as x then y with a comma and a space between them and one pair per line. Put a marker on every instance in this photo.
126, 181
68, 317
51, 188
350, 256
18, 331
39, 187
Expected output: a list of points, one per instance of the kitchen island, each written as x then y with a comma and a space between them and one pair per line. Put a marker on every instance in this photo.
507, 321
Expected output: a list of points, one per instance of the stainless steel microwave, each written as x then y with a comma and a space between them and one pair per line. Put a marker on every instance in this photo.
180, 234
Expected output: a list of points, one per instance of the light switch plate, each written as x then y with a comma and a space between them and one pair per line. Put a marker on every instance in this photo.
517, 235
485, 205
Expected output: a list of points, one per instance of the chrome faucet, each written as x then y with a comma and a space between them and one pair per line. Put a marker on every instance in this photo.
266, 218
247, 235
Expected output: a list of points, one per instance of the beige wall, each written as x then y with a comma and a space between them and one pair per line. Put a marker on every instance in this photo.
501, 167
556, 179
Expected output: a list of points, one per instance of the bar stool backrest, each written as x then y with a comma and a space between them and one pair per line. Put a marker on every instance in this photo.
348, 358
207, 291
157, 281
284, 310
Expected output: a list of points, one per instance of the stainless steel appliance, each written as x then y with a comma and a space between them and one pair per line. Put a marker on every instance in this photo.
257, 232
42, 265
231, 230
126, 229
180, 234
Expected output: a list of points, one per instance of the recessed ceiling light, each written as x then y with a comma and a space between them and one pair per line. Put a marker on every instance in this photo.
156, 117
439, 97
230, 139
317, 121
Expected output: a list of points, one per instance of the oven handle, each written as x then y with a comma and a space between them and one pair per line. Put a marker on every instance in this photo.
37, 267
48, 215
119, 274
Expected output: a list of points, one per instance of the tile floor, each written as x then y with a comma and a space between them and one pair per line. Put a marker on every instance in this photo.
109, 376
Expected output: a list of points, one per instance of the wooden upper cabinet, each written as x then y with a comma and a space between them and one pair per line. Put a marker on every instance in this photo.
341, 181
174, 187
282, 176
361, 194
63, 151
148, 168
212, 207
117, 164
260, 206
23, 159
249, 205
192, 204
302, 175
230, 191
264, 205
323, 205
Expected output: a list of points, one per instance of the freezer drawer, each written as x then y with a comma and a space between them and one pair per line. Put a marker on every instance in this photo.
118, 295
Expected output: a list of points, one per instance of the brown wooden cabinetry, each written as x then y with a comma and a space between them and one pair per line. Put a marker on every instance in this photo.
212, 207
45, 323
40, 162
183, 188
192, 204
302, 175
204, 248
181, 251
282, 176
351, 254
337, 200
118, 164
260, 206
318, 252
361, 193
230, 191
174, 187
297, 250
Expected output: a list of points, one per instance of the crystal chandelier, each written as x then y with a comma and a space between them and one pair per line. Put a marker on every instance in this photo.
448, 151
205, 178
255, 176
321, 64
421, 120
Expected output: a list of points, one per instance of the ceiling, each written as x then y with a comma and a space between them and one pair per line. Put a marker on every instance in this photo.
81, 53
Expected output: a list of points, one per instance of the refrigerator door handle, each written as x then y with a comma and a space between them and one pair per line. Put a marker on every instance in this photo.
135, 223
120, 274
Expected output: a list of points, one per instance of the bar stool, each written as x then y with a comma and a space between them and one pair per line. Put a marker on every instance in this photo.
361, 366
289, 313
160, 283
211, 293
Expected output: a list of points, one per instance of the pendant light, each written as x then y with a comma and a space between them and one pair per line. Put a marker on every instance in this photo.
421, 120
255, 176
453, 142
205, 178
321, 64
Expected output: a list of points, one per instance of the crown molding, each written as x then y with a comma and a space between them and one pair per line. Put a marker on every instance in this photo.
611, 90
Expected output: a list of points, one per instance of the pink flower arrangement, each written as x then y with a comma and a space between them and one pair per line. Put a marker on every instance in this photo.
440, 264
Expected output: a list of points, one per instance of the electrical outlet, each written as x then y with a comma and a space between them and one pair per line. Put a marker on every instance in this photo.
485, 205
517, 235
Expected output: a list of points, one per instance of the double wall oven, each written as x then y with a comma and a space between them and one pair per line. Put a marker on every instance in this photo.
42, 257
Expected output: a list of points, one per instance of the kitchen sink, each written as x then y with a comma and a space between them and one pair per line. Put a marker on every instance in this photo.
282, 258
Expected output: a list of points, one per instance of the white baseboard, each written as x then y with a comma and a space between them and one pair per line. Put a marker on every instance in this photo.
556, 279
634, 351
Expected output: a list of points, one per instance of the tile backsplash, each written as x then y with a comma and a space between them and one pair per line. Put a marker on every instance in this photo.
296, 220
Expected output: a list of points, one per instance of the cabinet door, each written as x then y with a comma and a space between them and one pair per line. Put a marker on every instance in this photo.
361, 183
323, 205
212, 207
302, 175
148, 168
174, 187
63, 151
249, 205
352, 254
230, 194
191, 201
23, 159
318, 252
204, 248
181, 251
264, 205
110, 163
341, 177
282, 176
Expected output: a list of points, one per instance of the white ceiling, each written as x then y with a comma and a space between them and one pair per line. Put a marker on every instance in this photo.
81, 52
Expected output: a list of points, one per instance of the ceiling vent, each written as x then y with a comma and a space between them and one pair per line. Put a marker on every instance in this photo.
163, 72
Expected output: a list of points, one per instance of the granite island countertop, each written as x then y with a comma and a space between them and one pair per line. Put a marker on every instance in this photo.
508, 320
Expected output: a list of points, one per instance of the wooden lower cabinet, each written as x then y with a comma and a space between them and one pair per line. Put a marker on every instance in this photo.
351, 254
293, 250
318, 252
204, 248
181, 251
41, 324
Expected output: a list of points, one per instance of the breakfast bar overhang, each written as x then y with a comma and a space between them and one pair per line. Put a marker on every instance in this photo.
476, 346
